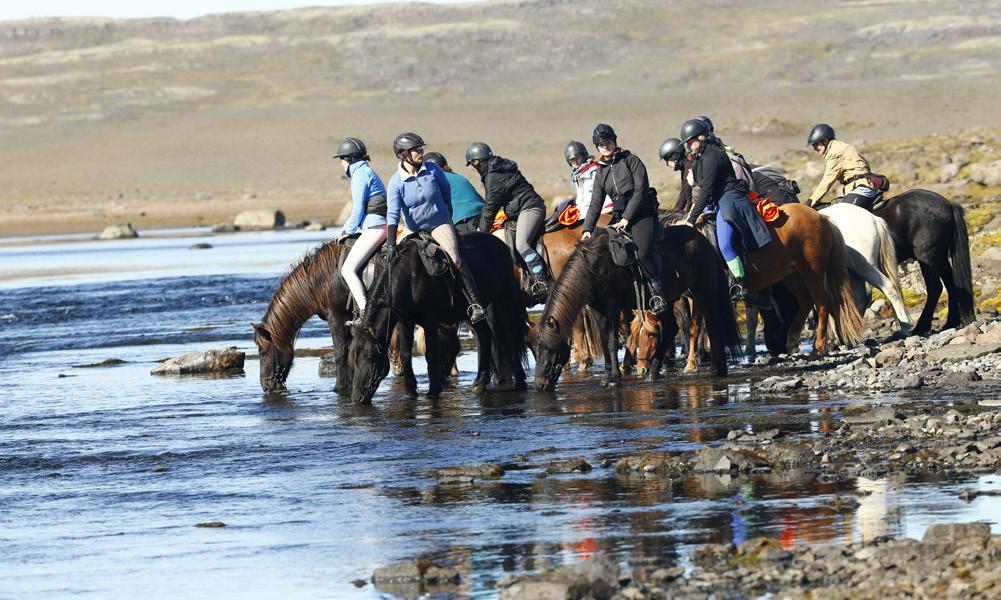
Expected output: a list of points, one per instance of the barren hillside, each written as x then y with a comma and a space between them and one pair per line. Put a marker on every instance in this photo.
160, 121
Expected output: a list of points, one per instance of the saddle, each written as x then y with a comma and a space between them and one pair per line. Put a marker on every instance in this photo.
434, 259
348, 242
566, 214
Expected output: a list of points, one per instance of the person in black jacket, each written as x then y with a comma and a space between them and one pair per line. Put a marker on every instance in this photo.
739, 228
623, 177
505, 187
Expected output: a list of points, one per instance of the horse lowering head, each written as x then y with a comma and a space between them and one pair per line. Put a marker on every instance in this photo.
370, 358
645, 331
551, 352
275, 361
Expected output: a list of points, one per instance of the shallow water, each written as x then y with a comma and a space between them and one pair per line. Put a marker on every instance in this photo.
106, 471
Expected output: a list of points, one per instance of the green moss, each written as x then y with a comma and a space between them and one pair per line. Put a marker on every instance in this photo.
977, 217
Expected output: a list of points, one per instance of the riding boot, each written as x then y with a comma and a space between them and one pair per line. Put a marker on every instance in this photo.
469, 290
738, 291
657, 304
539, 277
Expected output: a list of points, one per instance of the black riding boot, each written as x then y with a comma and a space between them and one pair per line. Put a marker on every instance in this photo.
657, 304
469, 290
738, 291
539, 277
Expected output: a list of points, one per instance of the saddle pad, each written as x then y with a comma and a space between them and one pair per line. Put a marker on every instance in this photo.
622, 248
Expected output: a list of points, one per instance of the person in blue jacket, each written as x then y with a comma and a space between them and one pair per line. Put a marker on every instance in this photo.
421, 194
368, 215
467, 203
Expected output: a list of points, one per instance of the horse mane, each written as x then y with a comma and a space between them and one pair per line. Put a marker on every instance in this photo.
571, 291
299, 294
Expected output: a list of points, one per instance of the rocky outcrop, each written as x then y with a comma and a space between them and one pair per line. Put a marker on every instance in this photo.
259, 219
202, 361
118, 232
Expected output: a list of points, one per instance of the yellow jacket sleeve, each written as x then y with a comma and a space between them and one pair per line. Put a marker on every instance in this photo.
832, 173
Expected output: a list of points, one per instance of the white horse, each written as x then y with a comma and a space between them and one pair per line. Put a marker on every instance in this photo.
872, 260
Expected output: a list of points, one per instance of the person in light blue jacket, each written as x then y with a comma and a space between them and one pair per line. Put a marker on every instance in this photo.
368, 215
420, 193
467, 203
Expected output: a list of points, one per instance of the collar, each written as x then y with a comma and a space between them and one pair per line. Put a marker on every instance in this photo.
355, 166
405, 175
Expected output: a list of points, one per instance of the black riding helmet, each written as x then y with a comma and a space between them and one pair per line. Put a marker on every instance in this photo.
406, 141
819, 133
603, 132
692, 129
574, 148
671, 149
351, 148
708, 122
478, 151
436, 158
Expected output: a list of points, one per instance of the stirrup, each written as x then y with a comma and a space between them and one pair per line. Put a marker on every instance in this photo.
657, 305
475, 312
738, 292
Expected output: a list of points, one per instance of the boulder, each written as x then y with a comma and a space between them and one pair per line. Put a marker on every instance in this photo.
991, 336
594, 578
881, 415
718, 460
314, 227
948, 172
259, 219
890, 356
469, 473
202, 361
987, 174
569, 465
328, 368
959, 353
118, 232
779, 383
954, 532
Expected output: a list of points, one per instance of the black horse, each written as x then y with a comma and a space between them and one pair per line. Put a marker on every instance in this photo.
931, 230
405, 292
590, 277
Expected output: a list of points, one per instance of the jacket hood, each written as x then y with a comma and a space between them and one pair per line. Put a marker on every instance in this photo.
499, 164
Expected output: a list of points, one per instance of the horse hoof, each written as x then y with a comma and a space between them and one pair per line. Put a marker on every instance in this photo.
689, 369
612, 384
478, 388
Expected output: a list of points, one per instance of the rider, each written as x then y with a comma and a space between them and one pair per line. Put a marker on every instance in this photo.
623, 176
716, 184
672, 152
844, 165
741, 169
583, 170
507, 188
467, 203
421, 192
368, 215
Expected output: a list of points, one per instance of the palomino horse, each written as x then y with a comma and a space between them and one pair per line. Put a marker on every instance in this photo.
590, 277
403, 291
312, 287
930, 229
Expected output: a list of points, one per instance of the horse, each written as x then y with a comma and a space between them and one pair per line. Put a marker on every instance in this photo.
403, 291
312, 287
928, 228
591, 278
872, 260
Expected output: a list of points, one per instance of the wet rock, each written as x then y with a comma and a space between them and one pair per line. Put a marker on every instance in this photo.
211, 524
415, 578
778, 383
202, 361
956, 532
469, 473
260, 219
314, 227
597, 577
788, 454
721, 460
225, 228
648, 463
569, 465
108, 362
200, 246
359, 583
882, 414
327, 368
118, 232
910, 382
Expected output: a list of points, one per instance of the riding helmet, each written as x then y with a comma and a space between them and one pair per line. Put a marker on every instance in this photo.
708, 122
671, 149
436, 158
819, 133
574, 148
351, 148
692, 129
407, 141
478, 151
602, 132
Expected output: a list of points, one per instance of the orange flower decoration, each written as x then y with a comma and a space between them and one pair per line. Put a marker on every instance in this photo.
570, 215
768, 210
499, 220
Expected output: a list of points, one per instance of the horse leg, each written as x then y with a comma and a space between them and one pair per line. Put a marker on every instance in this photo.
804, 306
667, 334
934, 287
694, 334
952, 319
404, 335
612, 374
751, 325
484, 362
579, 345
821, 302
340, 336
685, 325
629, 362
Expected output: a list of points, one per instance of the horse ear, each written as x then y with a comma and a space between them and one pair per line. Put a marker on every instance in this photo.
262, 331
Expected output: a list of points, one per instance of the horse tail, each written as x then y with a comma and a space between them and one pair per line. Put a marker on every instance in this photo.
420, 341
721, 314
844, 315
594, 342
962, 273
508, 319
887, 252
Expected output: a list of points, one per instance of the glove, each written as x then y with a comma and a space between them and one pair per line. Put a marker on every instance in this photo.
391, 250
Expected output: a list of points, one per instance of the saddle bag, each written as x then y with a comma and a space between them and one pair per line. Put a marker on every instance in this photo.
878, 182
622, 248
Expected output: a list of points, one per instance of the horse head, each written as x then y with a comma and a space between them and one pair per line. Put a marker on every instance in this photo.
646, 330
370, 358
551, 352
275, 361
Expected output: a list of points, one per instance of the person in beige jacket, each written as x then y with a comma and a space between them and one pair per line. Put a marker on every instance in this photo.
844, 165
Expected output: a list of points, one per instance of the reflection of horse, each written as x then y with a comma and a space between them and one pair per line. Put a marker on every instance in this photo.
871, 261
312, 287
404, 291
590, 277
931, 230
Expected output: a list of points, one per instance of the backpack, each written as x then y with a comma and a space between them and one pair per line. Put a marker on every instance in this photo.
771, 183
